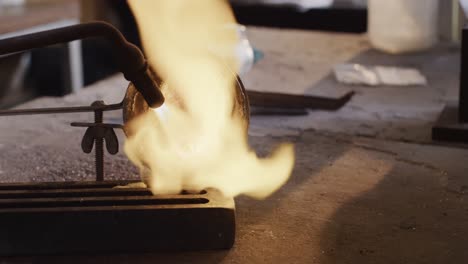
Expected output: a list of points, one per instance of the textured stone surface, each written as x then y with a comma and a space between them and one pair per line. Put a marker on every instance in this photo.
351, 199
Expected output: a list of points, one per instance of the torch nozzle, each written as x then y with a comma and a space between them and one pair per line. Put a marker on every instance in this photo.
148, 88
151, 93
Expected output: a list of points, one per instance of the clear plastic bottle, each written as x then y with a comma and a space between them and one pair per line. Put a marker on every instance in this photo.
398, 26
244, 51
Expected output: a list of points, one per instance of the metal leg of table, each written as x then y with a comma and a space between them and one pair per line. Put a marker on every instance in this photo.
75, 63
452, 125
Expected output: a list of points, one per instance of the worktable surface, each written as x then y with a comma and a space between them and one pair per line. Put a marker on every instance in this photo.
24, 17
364, 189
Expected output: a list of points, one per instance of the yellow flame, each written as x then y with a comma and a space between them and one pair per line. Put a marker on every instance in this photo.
194, 141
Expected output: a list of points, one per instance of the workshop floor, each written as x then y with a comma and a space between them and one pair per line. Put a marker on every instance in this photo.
368, 185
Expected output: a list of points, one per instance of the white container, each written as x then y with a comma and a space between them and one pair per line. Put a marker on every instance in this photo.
398, 26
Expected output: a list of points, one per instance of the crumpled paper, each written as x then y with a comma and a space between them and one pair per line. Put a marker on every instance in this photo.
378, 75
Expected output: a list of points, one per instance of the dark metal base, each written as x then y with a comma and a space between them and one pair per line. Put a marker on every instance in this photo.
70, 218
448, 128
289, 101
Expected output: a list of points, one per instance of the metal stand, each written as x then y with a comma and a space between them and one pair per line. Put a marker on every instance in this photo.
452, 124
97, 134
95, 217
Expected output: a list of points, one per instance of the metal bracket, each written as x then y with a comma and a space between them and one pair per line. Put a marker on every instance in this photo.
96, 135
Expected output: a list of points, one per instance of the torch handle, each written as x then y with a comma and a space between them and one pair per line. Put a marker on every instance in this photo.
129, 57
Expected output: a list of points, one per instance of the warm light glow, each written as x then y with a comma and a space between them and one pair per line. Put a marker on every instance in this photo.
194, 141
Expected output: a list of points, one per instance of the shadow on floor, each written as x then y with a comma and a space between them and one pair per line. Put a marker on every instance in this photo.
410, 216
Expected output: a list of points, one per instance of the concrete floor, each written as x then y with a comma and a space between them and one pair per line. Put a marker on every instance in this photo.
368, 185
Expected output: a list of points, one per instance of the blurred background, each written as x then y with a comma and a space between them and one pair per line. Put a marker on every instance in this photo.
56, 71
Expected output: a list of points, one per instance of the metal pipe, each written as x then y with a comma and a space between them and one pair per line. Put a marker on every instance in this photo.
129, 57
59, 110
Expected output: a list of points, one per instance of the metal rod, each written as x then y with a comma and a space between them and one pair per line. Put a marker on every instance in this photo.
270, 111
99, 144
280, 100
84, 124
60, 110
